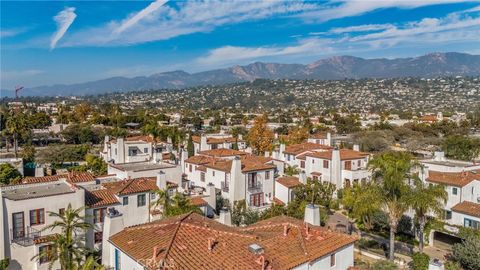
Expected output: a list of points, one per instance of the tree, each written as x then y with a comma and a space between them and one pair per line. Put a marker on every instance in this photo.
67, 246
466, 252
173, 206
16, 125
4, 263
391, 172
190, 146
8, 174
297, 135
28, 153
361, 202
95, 164
425, 199
420, 261
383, 265
260, 137
290, 171
461, 147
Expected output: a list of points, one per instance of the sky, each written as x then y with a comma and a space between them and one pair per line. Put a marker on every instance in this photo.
57, 42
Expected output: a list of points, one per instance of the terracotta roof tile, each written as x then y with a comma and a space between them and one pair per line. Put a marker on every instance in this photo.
136, 185
101, 197
296, 149
345, 154
198, 201
213, 140
182, 242
221, 152
277, 201
288, 181
249, 163
468, 208
458, 179
72, 177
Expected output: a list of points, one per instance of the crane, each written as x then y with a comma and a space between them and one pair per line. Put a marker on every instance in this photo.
18, 89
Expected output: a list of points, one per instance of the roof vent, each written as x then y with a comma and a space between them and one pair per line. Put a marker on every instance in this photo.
255, 249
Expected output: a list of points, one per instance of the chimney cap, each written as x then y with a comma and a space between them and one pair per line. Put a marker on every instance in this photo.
255, 248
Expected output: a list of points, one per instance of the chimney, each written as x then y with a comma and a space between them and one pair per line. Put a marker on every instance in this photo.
203, 143
276, 136
169, 140
237, 182
158, 156
183, 157
240, 137
356, 147
329, 138
155, 252
225, 217
112, 224
211, 243
312, 214
121, 150
212, 197
282, 149
439, 156
285, 229
336, 168
303, 177
161, 180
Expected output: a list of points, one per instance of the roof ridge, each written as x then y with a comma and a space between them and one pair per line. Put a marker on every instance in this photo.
169, 247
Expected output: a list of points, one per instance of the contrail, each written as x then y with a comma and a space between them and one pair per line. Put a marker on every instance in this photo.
63, 19
140, 15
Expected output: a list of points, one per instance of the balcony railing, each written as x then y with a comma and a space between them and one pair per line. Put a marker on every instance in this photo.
255, 188
25, 238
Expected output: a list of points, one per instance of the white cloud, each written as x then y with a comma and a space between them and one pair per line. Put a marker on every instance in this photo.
232, 54
360, 28
140, 15
11, 32
342, 9
63, 19
167, 21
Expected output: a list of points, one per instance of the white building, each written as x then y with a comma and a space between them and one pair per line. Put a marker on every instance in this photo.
237, 175
462, 184
290, 153
134, 149
217, 141
193, 242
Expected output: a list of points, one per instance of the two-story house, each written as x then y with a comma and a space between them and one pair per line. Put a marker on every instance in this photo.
216, 141
290, 153
133, 149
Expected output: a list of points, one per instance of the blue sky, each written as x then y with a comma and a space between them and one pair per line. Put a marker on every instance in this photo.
50, 42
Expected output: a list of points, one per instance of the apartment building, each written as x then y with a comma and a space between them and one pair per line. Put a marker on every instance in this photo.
321, 138
462, 184
235, 174
217, 141
24, 211
290, 153
341, 167
193, 242
134, 149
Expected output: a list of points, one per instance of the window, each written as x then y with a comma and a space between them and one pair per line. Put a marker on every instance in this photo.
152, 196
141, 200
454, 191
18, 223
145, 150
325, 164
348, 165
98, 237
471, 223
115, 151
190, 168
256, 199
45, 253
302, 164
448, 214
99, 215
267, 175
37, 217
359, 163
125, 200
332, 260
132, 151
213, 173
61, 211
202, 176
313, 161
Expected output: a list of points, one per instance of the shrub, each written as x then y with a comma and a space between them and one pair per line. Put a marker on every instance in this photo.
420, 261
384, 265
466, 253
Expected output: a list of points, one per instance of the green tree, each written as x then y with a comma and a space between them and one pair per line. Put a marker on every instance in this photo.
424, 199
361, 203
420, 261
16, 125
28, 153
467, 252
391, 172
173, 206
4, 263
190, 146
67, 246
461, 147
384, 265
8, 174
96, 164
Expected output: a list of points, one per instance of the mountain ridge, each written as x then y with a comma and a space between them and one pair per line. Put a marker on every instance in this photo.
333, 68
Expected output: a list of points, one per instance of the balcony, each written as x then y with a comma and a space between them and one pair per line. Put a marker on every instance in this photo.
258, 187
25, 238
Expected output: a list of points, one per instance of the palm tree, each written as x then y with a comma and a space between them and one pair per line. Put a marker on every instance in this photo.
173, 206
66, 247
361, 203
163, 201
391, 173
16, 125
425, 199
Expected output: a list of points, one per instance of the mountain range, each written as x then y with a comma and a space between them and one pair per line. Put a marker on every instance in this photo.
334, 68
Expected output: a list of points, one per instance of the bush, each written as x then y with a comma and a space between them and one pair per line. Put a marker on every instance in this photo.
384, 265
4, 263
380, 221
405, 225
420, 261
449, 265
467, 253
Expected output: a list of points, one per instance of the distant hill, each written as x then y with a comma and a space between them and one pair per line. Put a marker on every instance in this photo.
338, 67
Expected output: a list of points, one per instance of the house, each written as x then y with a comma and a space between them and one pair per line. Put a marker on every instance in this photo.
290, 153
215, 141
133, 149
284, 188
341, 167
24, 211
236, 175
191, 241
321, 138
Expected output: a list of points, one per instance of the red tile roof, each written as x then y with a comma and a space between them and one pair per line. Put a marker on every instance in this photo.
278, 201
198, 201
136, 185
345, 154
212, 140
296, 149
72, 177
468, 208
140, 138
318, 136
250, 163
101, 197
288, 181
221, 152
457, 179
183, 241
